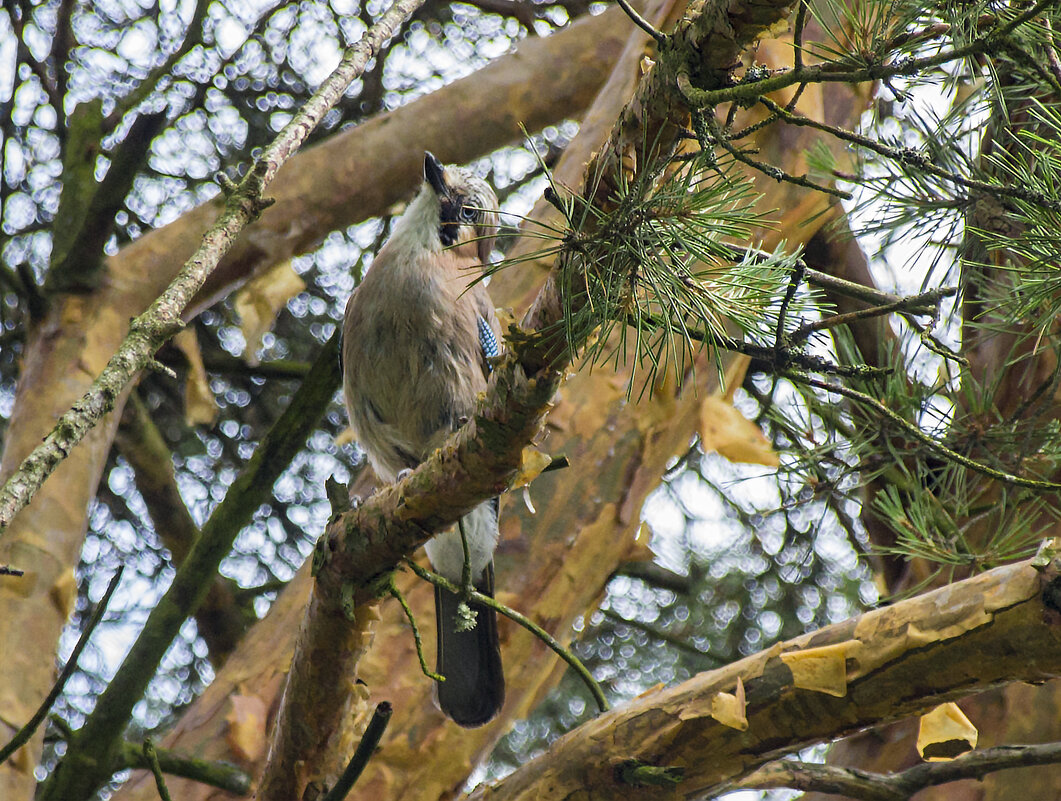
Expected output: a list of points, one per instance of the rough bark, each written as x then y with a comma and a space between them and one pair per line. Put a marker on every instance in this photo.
73, 343
904, 659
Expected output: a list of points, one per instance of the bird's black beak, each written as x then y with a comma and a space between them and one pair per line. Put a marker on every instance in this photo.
434, 174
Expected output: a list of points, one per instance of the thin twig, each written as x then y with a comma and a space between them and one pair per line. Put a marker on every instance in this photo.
222, 775
396, 594
365, 749
794, 280
925, 303
1051, 51
193, 37
642, 23
527, 623
23, 735
797, 34
152, 759
751, 91
718, 136
674, 640
918, 434
912, 158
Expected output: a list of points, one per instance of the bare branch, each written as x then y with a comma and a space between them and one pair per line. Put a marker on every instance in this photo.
868, 786
23, 735
163, 318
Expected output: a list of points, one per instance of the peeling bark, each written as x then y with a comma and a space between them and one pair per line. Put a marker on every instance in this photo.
900, 660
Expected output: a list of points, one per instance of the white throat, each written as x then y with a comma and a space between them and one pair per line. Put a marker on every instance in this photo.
417, 227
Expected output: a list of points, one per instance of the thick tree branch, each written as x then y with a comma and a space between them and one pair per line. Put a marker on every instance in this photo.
92, 756
890, 663
545, 81
477, 463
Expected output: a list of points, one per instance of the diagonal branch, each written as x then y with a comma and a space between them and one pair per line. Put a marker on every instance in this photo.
484, 456
192, 38
937, 643
92, 754
163, 318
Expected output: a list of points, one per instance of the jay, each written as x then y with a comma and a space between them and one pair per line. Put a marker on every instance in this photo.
417, 340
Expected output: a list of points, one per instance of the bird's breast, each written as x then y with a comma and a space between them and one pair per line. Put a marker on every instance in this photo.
417, 353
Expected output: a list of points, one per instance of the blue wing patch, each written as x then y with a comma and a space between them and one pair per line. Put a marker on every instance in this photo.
487, 341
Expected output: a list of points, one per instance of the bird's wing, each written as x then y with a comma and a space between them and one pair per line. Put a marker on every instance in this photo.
487, 342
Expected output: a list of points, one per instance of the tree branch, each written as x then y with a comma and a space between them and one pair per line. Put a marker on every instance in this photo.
23, 735
94, 752
226, 612
477, 463
870, 786
997, 627
163, 318
216, 774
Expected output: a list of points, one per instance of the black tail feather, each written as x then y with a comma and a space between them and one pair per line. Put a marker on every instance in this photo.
474, 689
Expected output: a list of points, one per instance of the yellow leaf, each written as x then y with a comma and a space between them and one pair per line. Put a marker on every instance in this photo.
726, 431
63, 593
823, 669
200, 408
531, 466
261, 299
945, 733
730, 709
637, 549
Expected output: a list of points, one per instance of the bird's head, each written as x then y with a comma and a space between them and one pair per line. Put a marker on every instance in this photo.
467, 216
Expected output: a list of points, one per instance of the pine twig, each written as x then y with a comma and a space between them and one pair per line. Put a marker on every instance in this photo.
915, 432
525, 622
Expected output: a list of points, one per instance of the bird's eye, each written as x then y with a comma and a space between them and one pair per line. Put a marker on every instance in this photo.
468, 214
